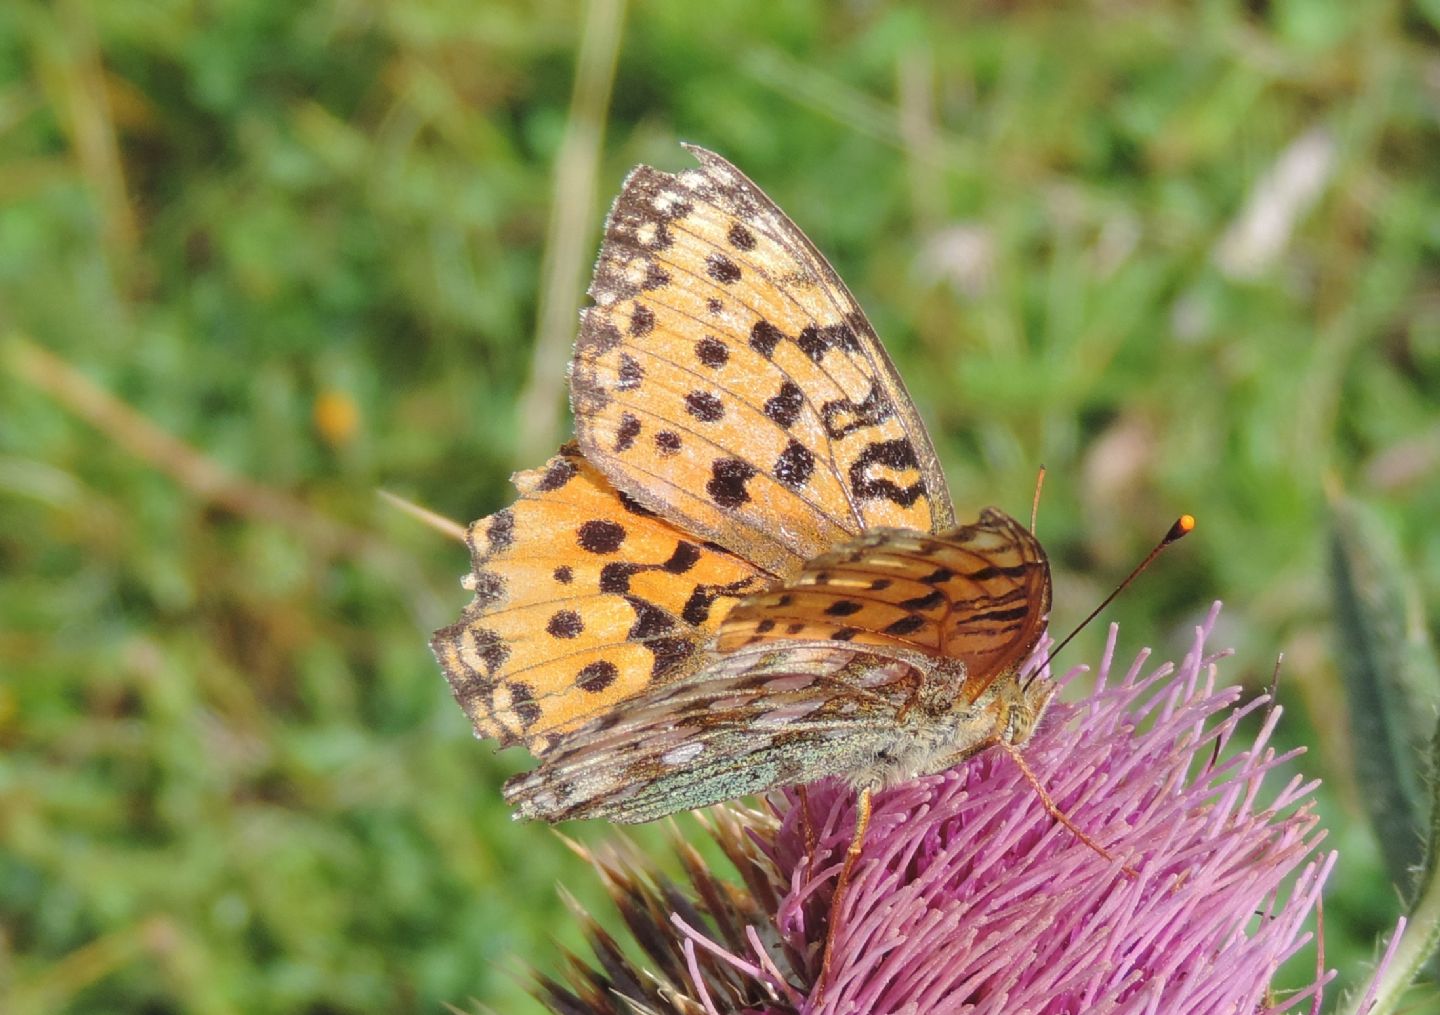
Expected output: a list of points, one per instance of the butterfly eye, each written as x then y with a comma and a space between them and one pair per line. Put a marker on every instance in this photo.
1015, 725
1019, 721
1027, 709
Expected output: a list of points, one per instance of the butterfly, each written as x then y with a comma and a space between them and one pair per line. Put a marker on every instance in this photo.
745, 572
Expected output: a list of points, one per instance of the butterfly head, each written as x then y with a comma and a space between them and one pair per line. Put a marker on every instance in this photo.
1021, 705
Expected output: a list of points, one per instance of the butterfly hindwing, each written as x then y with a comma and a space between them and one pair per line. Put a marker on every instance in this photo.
759, 718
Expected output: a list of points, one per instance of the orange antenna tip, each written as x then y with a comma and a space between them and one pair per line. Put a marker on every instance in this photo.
1184, 525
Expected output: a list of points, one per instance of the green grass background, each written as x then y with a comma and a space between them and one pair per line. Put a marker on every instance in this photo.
231, 777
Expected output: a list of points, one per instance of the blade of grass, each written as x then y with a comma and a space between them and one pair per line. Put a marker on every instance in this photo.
567, 239
203, 477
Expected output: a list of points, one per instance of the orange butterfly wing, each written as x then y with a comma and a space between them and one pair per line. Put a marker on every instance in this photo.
582, 599
726, 378
978, 593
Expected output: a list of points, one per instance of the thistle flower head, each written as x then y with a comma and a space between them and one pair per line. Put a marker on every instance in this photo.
969, 897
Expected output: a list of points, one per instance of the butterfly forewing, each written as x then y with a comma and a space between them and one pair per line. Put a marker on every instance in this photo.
582, 599
727, 379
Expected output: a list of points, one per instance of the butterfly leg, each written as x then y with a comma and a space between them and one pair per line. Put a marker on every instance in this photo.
862, 822
1055, 812
812, 852
805, 823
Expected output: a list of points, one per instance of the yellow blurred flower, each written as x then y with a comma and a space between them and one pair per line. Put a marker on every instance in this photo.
336, 417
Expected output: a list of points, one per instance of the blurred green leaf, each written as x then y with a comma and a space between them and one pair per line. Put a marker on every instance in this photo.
1393, 683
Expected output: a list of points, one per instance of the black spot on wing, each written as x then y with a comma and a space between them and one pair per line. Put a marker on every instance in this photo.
704, 406
712, 352
795, 465
500, 533
522, 703
817, 340
783, 408
615, 577
728, 477
926, 602
491, 649
600, 536
488, 586
1003, 616
702, 598
764, 337
669, 653
843, 416
642, 320
631, 373
626, 433
595, 677
722, 269
905, 625
686, 556
667, 443
650, 620
990, 571
597, 335
565, 624
560, 472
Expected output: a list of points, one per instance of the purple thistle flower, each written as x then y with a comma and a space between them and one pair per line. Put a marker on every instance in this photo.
969, 897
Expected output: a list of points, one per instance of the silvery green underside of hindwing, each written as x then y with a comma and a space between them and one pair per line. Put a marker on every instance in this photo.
758, 719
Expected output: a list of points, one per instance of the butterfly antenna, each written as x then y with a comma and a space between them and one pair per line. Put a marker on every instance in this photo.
1035, 504
1274, 690
1183, 526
